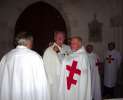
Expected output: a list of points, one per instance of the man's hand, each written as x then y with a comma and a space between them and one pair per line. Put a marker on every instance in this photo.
56, 49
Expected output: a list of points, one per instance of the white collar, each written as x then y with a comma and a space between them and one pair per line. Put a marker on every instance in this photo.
60, 48
82, 49
21, 46
90, 54
114, 50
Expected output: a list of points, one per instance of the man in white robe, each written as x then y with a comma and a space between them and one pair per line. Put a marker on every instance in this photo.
75, 79
95, 78
112, 64
22, 74
52, 58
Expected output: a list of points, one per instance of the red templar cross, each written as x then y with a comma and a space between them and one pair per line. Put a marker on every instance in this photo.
73, 70
98, 63
110, 59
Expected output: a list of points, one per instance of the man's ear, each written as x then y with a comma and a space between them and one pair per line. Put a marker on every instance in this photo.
29, 44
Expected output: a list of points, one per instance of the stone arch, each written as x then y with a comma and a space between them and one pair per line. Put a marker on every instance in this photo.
20, 8
41, 5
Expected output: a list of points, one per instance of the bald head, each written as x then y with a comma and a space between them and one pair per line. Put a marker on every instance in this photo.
59, 37
76, 43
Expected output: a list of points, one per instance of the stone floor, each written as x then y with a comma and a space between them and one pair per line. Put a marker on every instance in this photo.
119, 91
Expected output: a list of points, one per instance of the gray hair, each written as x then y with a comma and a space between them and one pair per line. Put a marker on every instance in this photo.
22, 38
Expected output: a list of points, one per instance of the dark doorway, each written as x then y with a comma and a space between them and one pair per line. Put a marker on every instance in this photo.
41, 19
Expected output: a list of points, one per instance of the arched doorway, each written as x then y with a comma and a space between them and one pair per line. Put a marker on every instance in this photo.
42, 20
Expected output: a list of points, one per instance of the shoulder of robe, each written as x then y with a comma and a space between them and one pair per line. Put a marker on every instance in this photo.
80, 55
83, 54
35, 54
8, 54
28, 53
66, 46
49, 48
108, 52
118, 53
3, 59
49, 51
32, 53
34, 57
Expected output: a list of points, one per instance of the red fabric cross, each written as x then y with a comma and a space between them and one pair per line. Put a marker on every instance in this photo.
72, 71
110, 59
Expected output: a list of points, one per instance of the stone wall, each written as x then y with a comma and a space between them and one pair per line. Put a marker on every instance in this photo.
77, 14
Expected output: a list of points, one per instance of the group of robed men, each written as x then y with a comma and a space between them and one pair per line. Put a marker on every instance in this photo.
64, 73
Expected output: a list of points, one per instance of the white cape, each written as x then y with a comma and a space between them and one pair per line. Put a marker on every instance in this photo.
22, 76
52, 67
95, 78
82, 89
112, 66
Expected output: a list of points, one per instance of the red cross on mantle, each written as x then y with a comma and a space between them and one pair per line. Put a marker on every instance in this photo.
72, 71
97, 63
110, 59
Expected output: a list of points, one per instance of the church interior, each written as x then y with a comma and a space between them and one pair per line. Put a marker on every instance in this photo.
97, 22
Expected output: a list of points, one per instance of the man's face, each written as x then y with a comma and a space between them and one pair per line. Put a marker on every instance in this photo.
89, 48
111, 47
59, 38
75, 44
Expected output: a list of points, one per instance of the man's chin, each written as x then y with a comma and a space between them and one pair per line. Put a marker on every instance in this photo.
60, 44
74, 50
